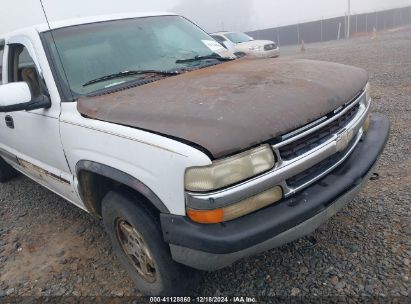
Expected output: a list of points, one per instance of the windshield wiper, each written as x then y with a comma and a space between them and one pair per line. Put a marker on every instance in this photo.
198, 58
130, 73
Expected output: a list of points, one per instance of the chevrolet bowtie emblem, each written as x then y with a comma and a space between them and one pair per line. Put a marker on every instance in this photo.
344, 139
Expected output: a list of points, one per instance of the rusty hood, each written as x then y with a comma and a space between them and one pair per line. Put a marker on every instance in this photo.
232, 106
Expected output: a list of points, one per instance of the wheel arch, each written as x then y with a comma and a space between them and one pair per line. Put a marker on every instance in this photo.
95, 180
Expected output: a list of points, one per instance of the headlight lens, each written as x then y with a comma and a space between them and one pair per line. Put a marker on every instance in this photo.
367, 92
229, 171
367, 89
256, 48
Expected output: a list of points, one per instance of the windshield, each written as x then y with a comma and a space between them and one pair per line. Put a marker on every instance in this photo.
238, 37
95, 51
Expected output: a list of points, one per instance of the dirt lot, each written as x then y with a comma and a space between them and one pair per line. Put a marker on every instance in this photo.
49, 247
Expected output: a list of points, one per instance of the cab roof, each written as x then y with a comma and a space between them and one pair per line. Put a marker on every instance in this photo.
100, 18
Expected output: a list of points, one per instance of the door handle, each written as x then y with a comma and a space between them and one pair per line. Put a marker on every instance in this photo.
9, 121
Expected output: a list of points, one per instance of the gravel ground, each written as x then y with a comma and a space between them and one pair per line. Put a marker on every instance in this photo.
49, 247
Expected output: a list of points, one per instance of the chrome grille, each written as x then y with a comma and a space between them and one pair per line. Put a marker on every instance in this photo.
317, 138
312, 152
308, 175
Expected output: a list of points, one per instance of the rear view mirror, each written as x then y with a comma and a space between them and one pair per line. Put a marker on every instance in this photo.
17, 97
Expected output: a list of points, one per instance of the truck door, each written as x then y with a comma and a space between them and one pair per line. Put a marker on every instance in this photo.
33, 136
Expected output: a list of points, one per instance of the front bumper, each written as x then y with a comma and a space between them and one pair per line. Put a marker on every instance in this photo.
211, 247
266, 54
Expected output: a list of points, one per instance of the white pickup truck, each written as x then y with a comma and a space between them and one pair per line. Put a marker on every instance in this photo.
193, 159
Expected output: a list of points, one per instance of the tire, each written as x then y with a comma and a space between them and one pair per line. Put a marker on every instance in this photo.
7, 172
124, 215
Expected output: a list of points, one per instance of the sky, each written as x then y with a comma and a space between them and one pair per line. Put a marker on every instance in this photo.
247, 15
212, 15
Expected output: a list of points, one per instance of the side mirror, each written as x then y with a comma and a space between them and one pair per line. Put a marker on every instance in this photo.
17, 97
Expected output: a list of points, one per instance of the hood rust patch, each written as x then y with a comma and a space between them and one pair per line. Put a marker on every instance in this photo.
234, 105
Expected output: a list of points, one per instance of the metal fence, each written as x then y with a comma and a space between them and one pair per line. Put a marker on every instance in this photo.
335, 28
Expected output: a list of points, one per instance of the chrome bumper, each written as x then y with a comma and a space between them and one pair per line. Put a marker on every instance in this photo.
344, 140
268, 54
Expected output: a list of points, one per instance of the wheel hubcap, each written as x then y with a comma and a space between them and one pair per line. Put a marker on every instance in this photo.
136, 250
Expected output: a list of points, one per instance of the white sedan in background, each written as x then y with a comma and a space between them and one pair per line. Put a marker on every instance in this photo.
242, 44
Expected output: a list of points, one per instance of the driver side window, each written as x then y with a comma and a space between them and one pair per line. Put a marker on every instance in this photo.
220, 40
23, 68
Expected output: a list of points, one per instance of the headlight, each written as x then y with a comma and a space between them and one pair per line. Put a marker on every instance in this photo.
229, 171
367, 92
237, 210
256, 48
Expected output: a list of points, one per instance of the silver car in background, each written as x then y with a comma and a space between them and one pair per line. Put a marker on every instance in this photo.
242, 44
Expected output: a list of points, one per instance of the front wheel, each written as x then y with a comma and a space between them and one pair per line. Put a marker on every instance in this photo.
137, 241
7, 172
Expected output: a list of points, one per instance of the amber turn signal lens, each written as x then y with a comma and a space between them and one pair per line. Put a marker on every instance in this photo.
366, 125
206, 216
